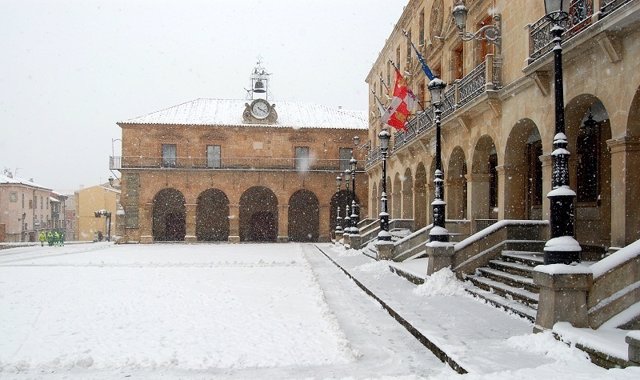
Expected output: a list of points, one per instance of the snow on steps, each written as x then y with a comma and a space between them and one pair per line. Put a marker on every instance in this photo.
507, 282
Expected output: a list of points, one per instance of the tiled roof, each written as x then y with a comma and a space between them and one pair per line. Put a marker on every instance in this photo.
20, 181
228, 112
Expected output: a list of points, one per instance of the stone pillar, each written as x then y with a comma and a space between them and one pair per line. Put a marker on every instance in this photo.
190, 221
633, 340
234, 223
385, 250
146, 223
440, 256
511, 190
355, 241
283, 223
625, 210
478, 198
324, 234
563, 295
547, 168
454, 196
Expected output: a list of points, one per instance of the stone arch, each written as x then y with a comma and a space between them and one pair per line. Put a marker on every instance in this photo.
483, 183
169, 216
420, 194
457, 185
258, 215
407, 195
304, 216
212, 216
396, 203
523, 172
588, 128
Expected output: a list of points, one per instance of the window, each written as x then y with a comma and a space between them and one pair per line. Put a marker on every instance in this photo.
302, 158
213, 156
169, 156
398, 58
345, 157
457, 62
13, 197
421, 28
389, 76
483, 47
31, 203
409, 49
22, 200
41, 203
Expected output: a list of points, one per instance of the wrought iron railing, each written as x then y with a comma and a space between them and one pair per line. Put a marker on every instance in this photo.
609, 6
227, 163
580, 17
482, 78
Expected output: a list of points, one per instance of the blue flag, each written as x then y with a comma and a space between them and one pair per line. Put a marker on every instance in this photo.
425, 67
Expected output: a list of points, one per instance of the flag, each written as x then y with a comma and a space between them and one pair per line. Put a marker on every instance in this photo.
425, 67
400, 108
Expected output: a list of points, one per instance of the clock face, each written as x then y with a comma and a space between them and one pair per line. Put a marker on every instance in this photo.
260, 109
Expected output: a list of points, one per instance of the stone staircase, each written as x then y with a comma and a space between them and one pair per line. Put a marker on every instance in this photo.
507, 282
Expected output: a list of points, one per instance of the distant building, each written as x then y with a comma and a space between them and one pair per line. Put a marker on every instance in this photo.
70, 217
87, 202
237, 170
26, 209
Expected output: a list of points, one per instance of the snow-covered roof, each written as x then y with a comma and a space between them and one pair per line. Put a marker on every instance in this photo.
20, 181
228, 112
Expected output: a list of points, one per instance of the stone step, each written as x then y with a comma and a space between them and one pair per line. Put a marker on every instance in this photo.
512, 267
509, 292
498, 301
524, 257
513, 280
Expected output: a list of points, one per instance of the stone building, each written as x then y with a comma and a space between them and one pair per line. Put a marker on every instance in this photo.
498, 119
237, 170
498, 128
89, 200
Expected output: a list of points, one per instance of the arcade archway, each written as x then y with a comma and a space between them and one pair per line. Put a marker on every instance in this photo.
212, 216
304, 216
169, 216
258, 215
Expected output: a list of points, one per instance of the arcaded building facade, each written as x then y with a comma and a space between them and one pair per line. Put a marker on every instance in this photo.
498, 116
237, 170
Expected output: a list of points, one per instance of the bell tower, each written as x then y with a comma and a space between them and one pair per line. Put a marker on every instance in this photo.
259, 111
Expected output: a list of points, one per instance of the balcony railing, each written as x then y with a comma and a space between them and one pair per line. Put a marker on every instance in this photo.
230, 163
484, 77
580, 18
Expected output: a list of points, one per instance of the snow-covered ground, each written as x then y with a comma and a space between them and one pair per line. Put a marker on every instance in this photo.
176, 310
259, 311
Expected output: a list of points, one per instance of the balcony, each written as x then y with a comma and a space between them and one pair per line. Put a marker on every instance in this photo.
229, 163
483, 79
581, 16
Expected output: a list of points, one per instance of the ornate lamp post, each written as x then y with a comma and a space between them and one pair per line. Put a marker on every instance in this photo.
384, 234
338, 217
562, 247
353, 163
491, 32
438, 232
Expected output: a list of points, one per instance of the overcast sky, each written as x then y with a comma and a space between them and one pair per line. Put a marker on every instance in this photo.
71, 69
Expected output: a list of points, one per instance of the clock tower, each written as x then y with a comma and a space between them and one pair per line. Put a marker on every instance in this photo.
259, 111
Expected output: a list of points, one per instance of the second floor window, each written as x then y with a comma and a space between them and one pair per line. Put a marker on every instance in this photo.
169, 156
302, 157
213, 156
345, 157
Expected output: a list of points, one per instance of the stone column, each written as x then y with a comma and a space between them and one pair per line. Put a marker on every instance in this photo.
440, 256
234, 223
324, 234
478, 197
454, 190
283, 223
190, 221
511, 190
563, 295
625, 210
547, 167
146, 223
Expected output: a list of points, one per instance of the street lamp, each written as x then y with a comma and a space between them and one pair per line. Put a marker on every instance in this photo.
354, 212
438, 232
562, 248
384, 234
490, 33
107, 215
338, 217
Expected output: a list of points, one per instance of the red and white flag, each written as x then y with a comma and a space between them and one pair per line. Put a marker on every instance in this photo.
401, 106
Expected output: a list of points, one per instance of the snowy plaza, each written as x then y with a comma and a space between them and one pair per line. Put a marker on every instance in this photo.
100, 310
